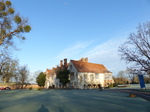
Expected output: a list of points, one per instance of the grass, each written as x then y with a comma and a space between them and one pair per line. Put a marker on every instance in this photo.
6, 84
133, 86
70, 101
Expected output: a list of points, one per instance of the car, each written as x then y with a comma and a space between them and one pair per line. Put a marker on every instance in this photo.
2, 88
8, 88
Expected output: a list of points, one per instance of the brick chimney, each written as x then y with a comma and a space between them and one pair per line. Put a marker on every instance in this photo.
86, 59
61, 63
65, 62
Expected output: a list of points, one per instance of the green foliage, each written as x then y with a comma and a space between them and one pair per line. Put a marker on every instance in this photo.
8, 3
3, 31
39, 89
63, 76
30, 88
41, 79
12, 23
4, 13
2, 6
115, 84
27, 28
17, 19
110, 86
147, 81
11, 10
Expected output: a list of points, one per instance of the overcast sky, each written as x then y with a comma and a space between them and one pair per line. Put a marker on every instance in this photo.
74, 29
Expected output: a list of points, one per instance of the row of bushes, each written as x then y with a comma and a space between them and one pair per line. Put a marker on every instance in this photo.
113, 85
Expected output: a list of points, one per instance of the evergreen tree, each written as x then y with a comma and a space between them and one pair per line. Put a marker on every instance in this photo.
63, 76
41, 79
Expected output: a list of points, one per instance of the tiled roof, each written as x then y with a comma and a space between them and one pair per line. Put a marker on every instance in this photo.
89, 67
48, 70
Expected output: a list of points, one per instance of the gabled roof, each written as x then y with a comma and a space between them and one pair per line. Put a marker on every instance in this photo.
89, 67
48, 70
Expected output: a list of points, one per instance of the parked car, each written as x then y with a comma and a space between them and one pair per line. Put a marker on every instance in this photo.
8, 88
2, 88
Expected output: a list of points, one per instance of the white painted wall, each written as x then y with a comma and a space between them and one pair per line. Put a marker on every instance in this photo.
79, 78
52, 80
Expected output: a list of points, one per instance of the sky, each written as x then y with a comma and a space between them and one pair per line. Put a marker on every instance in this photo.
74, 29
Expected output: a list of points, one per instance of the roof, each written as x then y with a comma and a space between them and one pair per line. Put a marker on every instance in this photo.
48, 70
89, 67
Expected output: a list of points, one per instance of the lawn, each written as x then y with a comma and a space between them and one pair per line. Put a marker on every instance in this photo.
70, 101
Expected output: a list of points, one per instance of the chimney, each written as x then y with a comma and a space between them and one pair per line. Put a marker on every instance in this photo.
82, 59
86, 59
65, 62
61, 63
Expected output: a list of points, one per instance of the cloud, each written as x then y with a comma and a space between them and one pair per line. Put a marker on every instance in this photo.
107, 54
74, 51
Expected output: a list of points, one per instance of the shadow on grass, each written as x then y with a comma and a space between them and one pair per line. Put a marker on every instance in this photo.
43, 109
60, 110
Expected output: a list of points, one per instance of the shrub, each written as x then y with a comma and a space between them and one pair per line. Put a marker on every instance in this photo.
30, 88
111, 86
115, 84
39, 89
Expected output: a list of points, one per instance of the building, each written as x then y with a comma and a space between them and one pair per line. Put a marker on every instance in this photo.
51, 76
82, 74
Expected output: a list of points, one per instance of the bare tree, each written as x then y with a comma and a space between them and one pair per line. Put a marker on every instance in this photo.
136, 50
121, 78
9, 70
23, 75
8, 67
132, 76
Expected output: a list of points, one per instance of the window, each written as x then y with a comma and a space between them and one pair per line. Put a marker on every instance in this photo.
97, 76
71, 76
85, 76
107, 76
91, 77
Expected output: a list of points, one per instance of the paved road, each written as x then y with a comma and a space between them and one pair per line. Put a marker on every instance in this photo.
141, 94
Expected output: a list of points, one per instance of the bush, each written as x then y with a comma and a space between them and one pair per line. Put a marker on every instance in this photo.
111, 86
30, 88
39, 89
115, 84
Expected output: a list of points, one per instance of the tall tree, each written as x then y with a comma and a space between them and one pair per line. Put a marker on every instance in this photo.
8, 67
11, 24
121, 78
136, 50
130, 74
41, 78
9, 70
63, 76
23, 75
